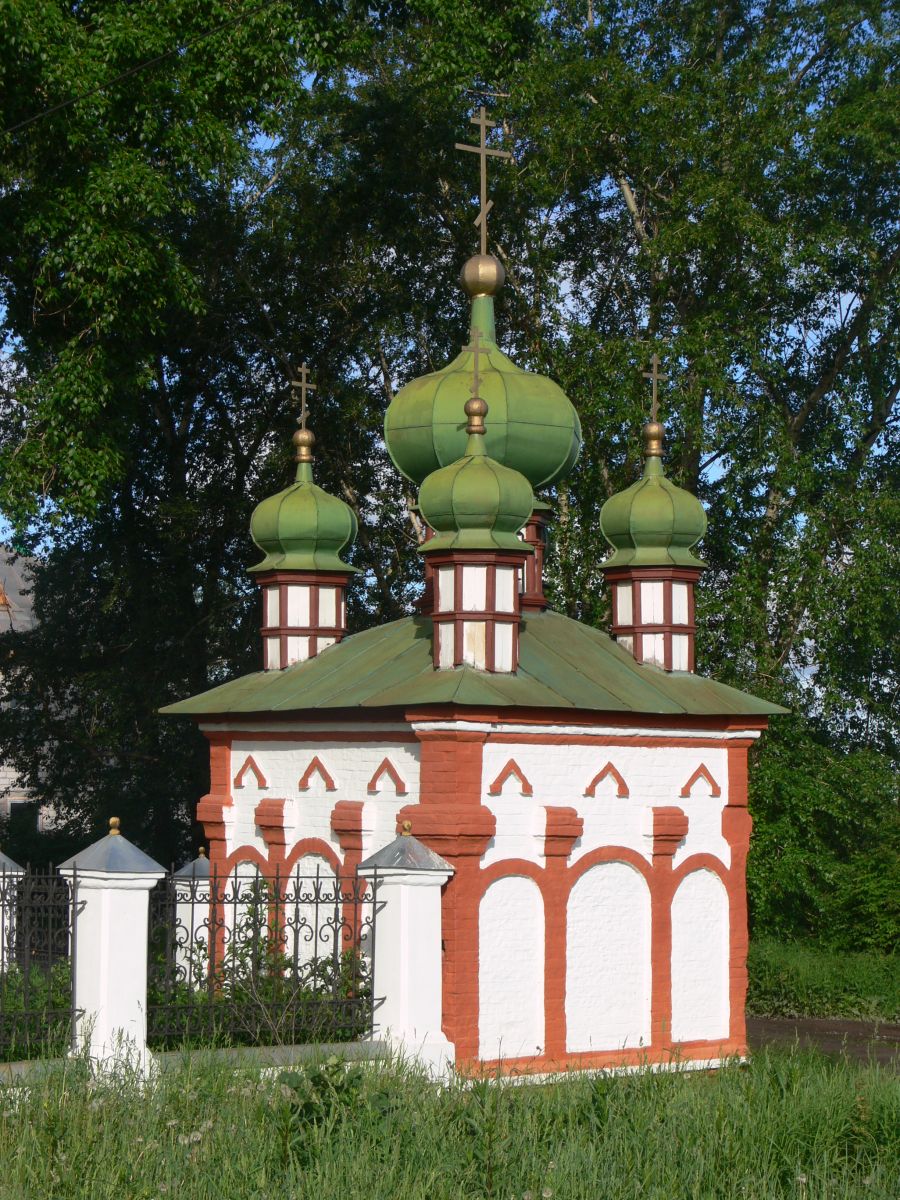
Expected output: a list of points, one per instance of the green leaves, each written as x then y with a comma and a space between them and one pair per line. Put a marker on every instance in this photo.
717, 185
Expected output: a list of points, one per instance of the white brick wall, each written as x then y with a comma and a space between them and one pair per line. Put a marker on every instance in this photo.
308, 813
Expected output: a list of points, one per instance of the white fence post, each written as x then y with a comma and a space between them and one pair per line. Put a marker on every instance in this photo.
407, 967
110, 883
10, 874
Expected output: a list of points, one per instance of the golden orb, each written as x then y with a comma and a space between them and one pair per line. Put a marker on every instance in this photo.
482, 275
653, 439
304, 440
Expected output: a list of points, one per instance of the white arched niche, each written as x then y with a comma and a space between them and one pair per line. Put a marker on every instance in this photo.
700, 1003
313, 917
511, 969
608, 975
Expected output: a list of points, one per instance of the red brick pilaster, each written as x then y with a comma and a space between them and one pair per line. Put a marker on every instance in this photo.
346, 821
670, 826
452, 821
736, 827
269, 818
564, 828
210, 807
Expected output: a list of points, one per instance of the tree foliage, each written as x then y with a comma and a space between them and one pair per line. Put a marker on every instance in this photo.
716, 183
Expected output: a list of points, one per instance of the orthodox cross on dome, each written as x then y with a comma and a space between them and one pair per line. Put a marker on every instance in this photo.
303, 386
484, 151
304, 439
655, 375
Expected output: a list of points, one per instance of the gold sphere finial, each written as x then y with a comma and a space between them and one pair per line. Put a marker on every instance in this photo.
304, 440
653, 433
202, 852
476, 410
406, 829
114, 830
482, 275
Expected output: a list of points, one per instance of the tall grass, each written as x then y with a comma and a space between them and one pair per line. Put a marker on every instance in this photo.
800, 979
789, 1125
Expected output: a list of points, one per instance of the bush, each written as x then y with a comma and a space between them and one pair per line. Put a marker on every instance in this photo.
794, 980
35, 1012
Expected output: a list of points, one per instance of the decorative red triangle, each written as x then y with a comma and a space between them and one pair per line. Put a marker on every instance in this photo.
250, 765
702, 772
316, 767
609, 769
386, 767
511, 768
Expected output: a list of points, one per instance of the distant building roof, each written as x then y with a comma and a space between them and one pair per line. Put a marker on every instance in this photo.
15, 599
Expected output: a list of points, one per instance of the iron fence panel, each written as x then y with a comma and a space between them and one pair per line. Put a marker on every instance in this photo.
260, 960
37, 935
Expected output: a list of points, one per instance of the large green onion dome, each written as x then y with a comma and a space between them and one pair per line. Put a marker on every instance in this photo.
534, 428
303, 528
476, 503
653, 523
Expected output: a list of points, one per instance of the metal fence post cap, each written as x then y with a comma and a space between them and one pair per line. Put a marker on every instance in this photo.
406, 853
8, 867
113, 855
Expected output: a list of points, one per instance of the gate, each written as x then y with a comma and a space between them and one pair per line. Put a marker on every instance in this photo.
260, 960
37, 945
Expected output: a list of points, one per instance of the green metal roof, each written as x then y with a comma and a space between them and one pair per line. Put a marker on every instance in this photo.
303, 528
562, 664
533, 425
653, 523
476, 503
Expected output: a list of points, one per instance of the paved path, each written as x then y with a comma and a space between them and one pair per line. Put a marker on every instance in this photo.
861, 1041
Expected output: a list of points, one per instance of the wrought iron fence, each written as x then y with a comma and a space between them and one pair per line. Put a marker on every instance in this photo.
37, 936
253, 960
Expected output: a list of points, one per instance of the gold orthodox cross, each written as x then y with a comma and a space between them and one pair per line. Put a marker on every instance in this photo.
654, 374
484, 152
303, 385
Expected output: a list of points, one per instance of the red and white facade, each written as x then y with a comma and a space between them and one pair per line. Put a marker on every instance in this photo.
596, 915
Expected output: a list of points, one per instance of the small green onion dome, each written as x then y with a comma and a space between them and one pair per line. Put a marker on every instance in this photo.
534, 428
653, 523
476, 503
303, 528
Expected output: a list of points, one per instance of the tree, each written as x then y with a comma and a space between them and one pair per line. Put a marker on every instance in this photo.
717, 184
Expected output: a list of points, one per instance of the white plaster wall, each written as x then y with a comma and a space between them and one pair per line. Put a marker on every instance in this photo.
308, 813
511, 969
700, 1001
559, 775
521, 823
608, 975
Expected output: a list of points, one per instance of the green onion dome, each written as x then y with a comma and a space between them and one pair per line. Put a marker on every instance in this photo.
476, 503
303, 528
534, 427
653, 523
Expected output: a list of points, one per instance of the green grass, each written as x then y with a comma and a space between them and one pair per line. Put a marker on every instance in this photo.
798, 979
789, 1125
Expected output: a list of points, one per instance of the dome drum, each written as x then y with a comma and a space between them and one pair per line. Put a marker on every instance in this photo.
303, 613
476, 609
653, 614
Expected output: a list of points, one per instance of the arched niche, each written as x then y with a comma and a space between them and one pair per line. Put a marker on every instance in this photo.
312, 915
511, 969
608, 975
700, 1002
